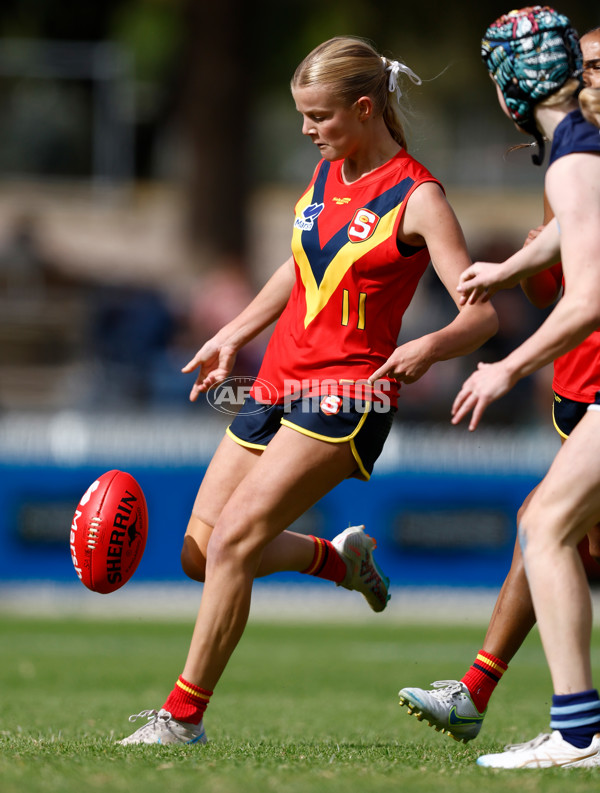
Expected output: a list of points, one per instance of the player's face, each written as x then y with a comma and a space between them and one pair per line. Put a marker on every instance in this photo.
590, 47
332, 127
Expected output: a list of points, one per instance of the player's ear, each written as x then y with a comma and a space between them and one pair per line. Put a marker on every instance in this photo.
364, 106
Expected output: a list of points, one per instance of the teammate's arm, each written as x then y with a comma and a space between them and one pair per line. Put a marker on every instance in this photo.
572, 182
483, 279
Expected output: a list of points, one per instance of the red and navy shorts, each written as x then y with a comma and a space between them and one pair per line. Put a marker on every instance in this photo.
327, 418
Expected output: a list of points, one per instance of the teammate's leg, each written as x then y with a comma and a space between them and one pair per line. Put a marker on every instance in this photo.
565, 506
594, 543
458, 707
511, 621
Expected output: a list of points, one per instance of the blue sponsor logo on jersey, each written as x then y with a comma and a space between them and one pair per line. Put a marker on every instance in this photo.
310, 214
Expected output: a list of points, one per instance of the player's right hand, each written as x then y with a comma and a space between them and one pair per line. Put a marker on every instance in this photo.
215, 362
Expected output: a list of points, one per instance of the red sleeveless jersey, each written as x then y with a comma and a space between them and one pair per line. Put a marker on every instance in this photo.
353, 283
577, 372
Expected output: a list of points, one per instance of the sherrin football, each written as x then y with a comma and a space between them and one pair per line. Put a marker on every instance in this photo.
109, 532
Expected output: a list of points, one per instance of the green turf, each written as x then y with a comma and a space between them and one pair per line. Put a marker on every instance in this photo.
300, 708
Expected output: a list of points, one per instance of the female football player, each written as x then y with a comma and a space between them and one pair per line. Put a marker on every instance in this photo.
364, 231
458, 707
525, 51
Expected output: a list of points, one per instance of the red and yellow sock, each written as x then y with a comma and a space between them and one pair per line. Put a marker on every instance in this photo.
326, 563
187, 702
483, 677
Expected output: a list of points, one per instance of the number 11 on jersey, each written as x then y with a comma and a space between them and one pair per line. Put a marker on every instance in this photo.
362, 298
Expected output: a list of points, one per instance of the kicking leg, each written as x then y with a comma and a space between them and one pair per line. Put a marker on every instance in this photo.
347, 560
271, 496
230, 464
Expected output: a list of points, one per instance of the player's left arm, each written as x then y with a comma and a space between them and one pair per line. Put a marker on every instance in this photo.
429, 219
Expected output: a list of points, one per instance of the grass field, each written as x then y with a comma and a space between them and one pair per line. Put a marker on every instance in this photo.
300, 708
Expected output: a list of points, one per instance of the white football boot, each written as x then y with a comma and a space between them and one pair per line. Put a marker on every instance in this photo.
547, 750
362, 573
449, 708
162, 728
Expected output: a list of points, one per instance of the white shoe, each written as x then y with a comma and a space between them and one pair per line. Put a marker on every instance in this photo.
547, 750
162, 728
362, 573
449, 708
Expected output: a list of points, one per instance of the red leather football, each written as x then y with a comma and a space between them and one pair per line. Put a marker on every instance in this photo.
109, 532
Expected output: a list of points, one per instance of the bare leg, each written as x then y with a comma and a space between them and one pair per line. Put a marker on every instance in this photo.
565, 506
594, 543
230, 465
271, 496
513, 615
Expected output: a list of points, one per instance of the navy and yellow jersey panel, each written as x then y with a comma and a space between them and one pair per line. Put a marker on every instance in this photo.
353, 280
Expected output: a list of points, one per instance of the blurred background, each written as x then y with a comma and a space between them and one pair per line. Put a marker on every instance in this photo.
150, 159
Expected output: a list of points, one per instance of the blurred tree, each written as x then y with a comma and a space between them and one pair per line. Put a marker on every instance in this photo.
215, 84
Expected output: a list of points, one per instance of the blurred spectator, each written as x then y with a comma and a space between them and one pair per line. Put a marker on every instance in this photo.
130, 329
219, 296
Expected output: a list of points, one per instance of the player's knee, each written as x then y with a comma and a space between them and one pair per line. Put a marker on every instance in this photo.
530, 537
193, 562
230, 542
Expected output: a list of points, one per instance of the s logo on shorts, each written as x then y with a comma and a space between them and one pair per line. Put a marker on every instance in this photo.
330, 405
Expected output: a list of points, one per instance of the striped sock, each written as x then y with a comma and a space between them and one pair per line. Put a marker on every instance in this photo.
483, 677
326, 563
187, 702
576, 716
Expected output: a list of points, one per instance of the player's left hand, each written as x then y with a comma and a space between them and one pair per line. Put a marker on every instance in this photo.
484, 386
407, 363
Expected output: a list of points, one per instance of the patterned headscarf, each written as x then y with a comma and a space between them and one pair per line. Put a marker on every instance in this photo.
531, 53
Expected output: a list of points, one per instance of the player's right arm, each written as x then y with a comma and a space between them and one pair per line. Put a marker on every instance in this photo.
215, 359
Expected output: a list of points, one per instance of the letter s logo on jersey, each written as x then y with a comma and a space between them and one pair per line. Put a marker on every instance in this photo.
363, 225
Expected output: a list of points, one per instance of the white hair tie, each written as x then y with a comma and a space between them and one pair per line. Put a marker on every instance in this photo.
395, 68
